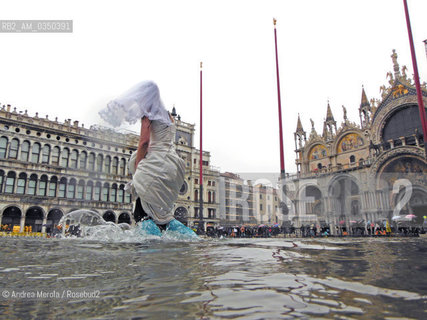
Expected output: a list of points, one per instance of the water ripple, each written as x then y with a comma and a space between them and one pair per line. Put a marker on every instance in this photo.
216, 279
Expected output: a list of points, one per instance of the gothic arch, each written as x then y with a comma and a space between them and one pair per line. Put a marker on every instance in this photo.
386, 110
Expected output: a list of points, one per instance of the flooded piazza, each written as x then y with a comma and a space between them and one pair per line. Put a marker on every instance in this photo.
133, 205
126, 276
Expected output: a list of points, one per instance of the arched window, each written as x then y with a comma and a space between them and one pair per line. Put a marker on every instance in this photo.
213, 197
196, 195
209, 197
3, 147
10, 182
35, 154
352, 159
402, 123
62, 187
121, 193
46, 153
83, 158
25, 150
99, 161
32, 185
89, 189
105, 191
91, 162
52, 186
1, 180
13, 149
113, 193
71, 189
107, 164
43, 186
20, 184
128, 197
122, 166
55, 156
115, 165
80, 190
65, 155
73, 159
97, 192
319, 166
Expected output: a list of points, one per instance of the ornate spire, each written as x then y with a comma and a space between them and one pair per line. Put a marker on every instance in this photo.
364, 102
299, 135
329, 125
329, 115
300, 129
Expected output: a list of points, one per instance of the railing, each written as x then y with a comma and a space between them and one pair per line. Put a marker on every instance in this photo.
331, 169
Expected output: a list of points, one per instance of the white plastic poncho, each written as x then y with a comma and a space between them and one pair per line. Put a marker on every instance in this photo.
141, 100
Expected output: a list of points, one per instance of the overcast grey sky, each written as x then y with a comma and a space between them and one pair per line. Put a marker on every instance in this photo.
327, 50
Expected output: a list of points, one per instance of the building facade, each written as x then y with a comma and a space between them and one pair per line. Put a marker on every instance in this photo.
48, 169
369, 171
236, 201
267, 203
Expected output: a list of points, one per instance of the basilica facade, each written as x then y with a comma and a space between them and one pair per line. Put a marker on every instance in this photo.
367, 171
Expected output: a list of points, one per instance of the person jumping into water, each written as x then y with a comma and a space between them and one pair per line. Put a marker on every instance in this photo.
157, 170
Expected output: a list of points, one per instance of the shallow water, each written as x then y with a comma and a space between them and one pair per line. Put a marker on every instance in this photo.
367, 278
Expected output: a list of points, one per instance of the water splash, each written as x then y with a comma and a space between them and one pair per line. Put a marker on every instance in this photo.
89, 225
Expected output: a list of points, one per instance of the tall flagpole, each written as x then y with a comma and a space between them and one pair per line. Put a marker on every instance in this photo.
282, 157
200, 228
416, 79
283, 205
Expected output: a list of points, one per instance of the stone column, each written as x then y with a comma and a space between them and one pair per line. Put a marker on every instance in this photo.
22, 221
44, 223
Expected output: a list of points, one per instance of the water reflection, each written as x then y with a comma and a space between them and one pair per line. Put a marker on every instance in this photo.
213, 279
